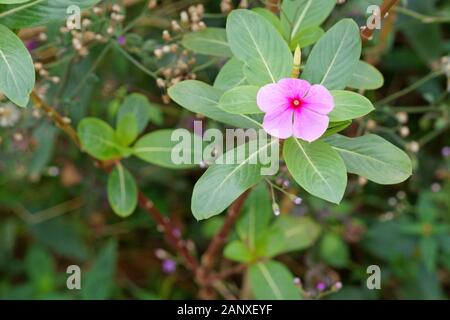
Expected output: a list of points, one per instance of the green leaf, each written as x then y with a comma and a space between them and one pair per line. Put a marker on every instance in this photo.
201, 98
163, 147
98, 139
429, 252
373, 157
16, 68
127, 130
272, 281
257, 212
39, 12
62, 236
365, 77
306, 37
269, 243
221, 184
334, 58
335, 127
298, 15
102, 272
299, 232
13, 1
256, 42
210, 41
137, 105
237, 251
334, 250
231, 75
240, 100
317, 168
349, 105
40, 268
122, 191
271, 17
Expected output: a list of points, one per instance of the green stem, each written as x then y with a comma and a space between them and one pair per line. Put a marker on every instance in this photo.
421, 17
411, 88
136, 63
92, 69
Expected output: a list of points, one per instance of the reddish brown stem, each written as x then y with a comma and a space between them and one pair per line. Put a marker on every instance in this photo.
170, 232
209, 258
366, 32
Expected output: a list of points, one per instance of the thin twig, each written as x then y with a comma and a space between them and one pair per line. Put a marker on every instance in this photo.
366, 32
62, 122
411, 88
209, 258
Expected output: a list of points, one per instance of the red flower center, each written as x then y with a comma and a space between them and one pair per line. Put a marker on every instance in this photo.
296, 103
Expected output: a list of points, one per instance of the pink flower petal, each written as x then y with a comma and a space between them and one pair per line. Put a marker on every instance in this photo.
319, 99
294, 88
271, 98
279, 123
309, 125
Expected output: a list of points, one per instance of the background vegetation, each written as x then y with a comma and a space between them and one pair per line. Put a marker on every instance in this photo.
54, 210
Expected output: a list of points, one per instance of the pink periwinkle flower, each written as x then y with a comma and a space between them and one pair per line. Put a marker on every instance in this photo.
296, 108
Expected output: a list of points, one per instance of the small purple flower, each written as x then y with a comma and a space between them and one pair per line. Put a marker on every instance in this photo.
176, 233
121, 40
31, 45
321, 286
169, 266
445, 151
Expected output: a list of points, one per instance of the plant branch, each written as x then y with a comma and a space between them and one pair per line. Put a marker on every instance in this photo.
145, 203
209, 258
366, 32
55, 116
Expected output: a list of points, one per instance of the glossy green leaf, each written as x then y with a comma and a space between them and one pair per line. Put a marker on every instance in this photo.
306, 37
98, 139
317, 168
231, 75
335, 57
221, 184
349, 105
127, 129
39, 12
299, 232
210, 41
366, 77
298, 15
272, 281
240, 100
169, 148
13, 1
16, 68
271, 17
257, 212
201, 98
256, 42
122, 191
373, 157
335, 127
